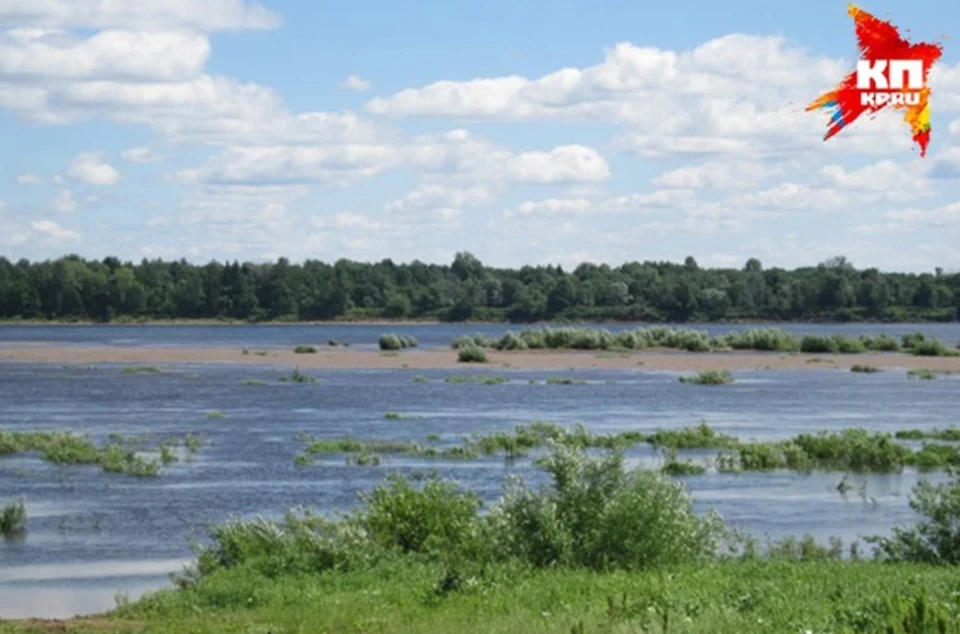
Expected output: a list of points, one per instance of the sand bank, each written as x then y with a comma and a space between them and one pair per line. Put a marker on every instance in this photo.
447, 359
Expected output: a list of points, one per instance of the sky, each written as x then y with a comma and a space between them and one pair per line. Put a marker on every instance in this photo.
523, 132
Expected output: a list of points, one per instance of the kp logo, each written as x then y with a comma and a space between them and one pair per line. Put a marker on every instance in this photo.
892, 72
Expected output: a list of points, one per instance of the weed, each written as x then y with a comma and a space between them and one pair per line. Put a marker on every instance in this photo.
709, 377
13, 519
305, 350
472, 354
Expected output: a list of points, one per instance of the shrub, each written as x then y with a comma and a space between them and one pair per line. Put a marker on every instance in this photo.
913, 339
935, 539
932, 348
709, 377
926, 375
816, 343
598, 515
472, 354
469, 341
305, 350
866, 369
881, 343
13, 519
700, 437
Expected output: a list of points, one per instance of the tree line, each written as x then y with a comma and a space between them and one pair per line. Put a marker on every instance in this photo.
73, 288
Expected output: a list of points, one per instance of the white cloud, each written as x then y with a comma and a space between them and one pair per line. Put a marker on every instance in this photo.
65, 202
552, 206
142, 155
455, 152
91, 169
439, 200
208, 15
721, 175
54, 232
28, 179
357, 83
28, 55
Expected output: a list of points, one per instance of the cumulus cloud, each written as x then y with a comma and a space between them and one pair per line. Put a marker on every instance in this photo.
90, 168
53, 232
28, 179
209, 15
32, 54
357, 83
142, 155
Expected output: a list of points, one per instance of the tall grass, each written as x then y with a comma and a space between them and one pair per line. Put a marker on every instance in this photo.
709, 377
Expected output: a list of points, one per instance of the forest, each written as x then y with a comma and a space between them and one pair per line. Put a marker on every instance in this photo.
75, 289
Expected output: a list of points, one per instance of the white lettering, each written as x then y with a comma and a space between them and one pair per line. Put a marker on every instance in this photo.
912, 68
870, 75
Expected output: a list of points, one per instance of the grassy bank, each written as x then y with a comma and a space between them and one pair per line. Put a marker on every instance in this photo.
601, 549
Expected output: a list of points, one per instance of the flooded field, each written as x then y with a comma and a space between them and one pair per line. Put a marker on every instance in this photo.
93, 534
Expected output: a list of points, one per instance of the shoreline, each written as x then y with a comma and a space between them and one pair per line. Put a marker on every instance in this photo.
433, 359
437, 322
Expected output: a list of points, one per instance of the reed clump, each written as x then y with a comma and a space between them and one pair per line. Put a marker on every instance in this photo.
472, 354
65, 448
709, 377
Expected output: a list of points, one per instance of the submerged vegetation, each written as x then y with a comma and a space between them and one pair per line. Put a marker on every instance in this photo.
305, 350
864, 369
709, 377
117, 455
599, 548
13, 519
298, 377
141, 369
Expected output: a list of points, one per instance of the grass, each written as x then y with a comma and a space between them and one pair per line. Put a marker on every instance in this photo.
305, 350
478, 379
709, 377
141, 369
409, 595
420, 379
561, 380
13, 519
932, 348
598, 549
65, 448
864, 369
399, 416
700, 437
951, 434
253, 382
298, 377
216, 415
472, 354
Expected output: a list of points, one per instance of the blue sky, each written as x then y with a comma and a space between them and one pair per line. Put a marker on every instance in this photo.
523, 132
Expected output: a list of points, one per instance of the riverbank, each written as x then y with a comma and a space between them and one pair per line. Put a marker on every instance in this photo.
340, 358
405, 597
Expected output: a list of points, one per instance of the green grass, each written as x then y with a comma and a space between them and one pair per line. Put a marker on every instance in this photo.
865, 369
700, 437
141, 369
13, 519
932, 348
66, 448
216, 414
305, 350
399, 416
709, 377
253, 382
411, 596
420, 379
923, 374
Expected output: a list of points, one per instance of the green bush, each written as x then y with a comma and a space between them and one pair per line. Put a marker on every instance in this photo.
932, 348
598, 515
390, 342
305, 350
865, 369
765, 339
472, 354
936, 538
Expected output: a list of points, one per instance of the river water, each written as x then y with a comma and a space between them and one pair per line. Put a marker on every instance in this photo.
92, 535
